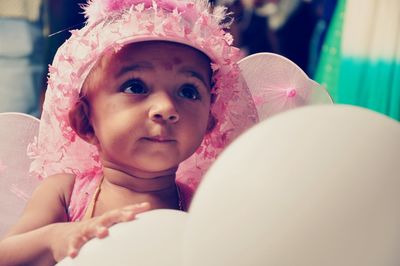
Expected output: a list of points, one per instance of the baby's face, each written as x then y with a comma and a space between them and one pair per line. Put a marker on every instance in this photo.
149, 105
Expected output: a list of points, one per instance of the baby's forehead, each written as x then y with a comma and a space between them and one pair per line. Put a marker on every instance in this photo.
167, 54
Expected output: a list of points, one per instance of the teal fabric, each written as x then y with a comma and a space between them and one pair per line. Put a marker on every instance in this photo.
374, 84
371, 84
327, 73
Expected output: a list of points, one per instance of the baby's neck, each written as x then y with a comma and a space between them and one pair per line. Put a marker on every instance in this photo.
119, 189
142, 182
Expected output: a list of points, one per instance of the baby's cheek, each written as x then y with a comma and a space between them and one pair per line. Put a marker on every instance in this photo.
111, 108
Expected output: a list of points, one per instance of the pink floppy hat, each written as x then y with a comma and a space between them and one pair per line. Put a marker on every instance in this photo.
111, 24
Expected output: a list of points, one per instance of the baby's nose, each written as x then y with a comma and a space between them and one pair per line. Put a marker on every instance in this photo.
164, 109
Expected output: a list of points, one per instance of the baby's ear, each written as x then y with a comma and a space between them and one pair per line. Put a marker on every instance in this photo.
80, 123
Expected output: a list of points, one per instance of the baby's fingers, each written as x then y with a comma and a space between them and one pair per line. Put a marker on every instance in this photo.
137, 208
98, 227
76, 244
89, 231
101, 232
125, 214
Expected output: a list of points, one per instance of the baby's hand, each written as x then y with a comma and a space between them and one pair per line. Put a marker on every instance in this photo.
74, 235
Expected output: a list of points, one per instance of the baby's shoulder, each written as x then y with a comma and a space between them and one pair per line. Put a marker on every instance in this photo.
62, 184
60, 181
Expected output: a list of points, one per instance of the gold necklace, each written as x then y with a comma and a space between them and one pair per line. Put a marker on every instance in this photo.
180, 200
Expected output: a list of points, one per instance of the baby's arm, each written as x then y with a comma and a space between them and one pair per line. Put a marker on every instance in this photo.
43, 236
28, 241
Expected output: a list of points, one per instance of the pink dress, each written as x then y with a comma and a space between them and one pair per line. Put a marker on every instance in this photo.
84, 195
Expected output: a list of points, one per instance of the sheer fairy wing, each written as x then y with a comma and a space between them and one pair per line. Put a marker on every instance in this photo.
277, 84
17, 131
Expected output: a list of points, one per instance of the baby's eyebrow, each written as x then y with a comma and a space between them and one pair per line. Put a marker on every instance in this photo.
192, 73
138, 66
135, 67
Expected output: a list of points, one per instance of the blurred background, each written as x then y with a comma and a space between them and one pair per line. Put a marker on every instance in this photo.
352, 47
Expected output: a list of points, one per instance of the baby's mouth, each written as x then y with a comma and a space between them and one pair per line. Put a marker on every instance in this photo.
159, 139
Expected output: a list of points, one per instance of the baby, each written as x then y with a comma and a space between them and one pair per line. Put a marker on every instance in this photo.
144, 88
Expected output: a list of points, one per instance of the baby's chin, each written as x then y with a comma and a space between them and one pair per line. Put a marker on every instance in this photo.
162, 164
153, 169
160, 169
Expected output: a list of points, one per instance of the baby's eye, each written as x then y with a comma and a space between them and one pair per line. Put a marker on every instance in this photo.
189, 91
134, 86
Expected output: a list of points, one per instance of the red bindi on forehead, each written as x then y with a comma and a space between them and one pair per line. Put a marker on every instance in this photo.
167, 66
175, 61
